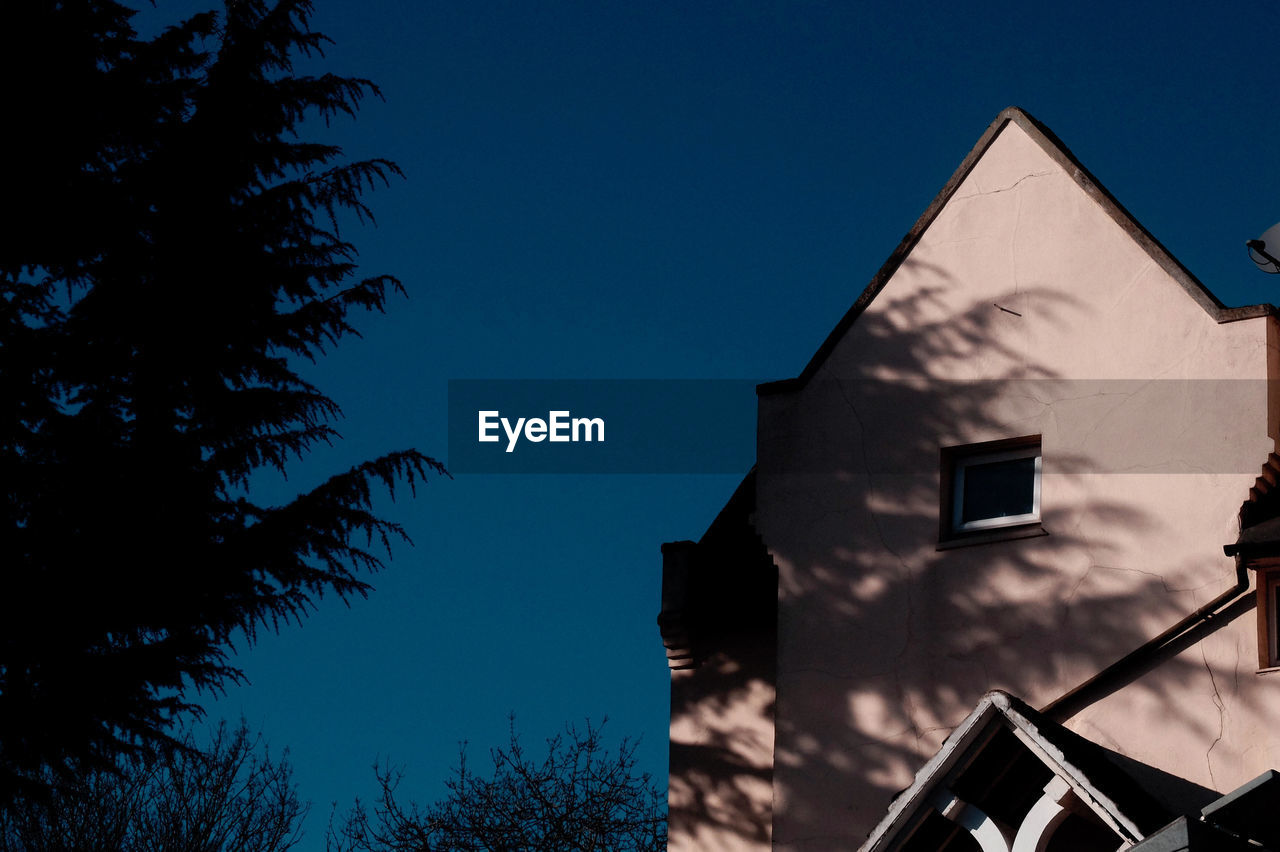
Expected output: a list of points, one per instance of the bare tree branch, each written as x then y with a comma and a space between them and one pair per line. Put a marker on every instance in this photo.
580, 796
231, 796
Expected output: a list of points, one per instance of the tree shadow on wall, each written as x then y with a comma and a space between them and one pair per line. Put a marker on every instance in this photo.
889, 628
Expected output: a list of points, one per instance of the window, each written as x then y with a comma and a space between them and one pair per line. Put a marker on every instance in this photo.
990, 487
1268, 609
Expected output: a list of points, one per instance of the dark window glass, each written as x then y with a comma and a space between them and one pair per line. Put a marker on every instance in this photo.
998, 489
1272, 628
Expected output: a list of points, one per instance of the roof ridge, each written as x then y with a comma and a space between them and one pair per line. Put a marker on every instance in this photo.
1061, 154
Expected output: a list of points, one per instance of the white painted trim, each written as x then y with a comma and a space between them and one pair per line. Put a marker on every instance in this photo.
1107, 810
903, 815
1033, 835
962, 462
991, 836
1044, 818
908, 802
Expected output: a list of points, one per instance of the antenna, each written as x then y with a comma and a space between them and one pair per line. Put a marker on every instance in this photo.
1265, 250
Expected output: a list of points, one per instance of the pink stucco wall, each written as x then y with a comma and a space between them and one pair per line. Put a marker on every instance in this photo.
1025, 308
721, 791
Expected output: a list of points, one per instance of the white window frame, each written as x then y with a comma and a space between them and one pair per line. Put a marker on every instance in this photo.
963, 460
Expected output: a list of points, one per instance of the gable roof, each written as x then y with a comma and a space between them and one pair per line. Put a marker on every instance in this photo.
1083, 178
1134, 800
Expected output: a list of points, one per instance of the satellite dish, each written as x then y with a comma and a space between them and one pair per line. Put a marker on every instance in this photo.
1265, 250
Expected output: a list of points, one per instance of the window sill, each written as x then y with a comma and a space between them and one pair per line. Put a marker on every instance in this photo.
988, 536
1270, 670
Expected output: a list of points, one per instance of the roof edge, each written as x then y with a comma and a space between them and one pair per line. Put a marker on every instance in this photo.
951, 752
1057, 151
969, 735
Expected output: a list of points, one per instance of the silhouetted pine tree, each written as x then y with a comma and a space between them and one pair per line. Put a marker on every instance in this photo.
173, 249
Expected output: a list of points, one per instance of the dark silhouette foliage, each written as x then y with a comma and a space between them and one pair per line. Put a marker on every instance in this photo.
229, 796
173, 249
580, 796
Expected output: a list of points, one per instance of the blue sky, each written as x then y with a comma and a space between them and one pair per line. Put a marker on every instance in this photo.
668, 190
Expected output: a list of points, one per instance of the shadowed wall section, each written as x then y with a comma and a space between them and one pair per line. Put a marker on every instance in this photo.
719, 625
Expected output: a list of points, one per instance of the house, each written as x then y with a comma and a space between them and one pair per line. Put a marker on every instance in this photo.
1004, 575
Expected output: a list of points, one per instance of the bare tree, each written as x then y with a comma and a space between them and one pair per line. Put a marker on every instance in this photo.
580, 796
230, 796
